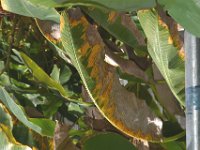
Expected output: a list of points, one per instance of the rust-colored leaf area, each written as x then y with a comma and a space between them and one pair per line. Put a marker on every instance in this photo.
174, 38
85, 47
112, 16
181, 54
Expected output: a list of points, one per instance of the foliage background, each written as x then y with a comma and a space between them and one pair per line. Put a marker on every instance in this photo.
93, 74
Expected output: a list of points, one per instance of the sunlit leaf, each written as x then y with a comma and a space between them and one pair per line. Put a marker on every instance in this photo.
85, 47
26, 8
163, 52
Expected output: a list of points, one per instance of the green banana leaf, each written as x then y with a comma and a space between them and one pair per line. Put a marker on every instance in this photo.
26, 8
185, 12
128, 5
164, 53
108, 141
117, 24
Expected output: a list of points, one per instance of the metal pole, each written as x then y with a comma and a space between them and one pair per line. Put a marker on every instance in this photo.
192, 63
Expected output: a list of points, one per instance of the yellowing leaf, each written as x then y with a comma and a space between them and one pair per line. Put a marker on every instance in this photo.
8, 142
120, 107
5, 117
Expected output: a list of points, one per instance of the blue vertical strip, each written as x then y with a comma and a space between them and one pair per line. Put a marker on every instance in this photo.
192, 77
193, 117
193, 96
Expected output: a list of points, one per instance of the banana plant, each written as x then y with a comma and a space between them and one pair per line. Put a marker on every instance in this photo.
123, 61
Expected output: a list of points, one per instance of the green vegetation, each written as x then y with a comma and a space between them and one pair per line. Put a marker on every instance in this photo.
93, 74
